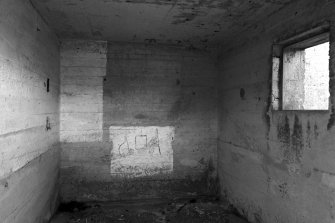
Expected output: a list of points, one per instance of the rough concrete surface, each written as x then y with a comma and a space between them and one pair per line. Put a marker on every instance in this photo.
29, 126
144, 126
199, 23
283, 171
146, 112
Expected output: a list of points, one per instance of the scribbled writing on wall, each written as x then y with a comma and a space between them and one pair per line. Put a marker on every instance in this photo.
140, 151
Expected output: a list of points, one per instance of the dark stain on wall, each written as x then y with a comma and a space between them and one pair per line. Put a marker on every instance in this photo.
297, 139
283, 132
309, 135
292, 142
316, 131
242, 93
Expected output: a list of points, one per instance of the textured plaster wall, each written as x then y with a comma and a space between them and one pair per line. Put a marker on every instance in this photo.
275, 166
29, 126
141, 124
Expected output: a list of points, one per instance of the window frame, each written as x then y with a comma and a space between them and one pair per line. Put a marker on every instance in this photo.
312, 37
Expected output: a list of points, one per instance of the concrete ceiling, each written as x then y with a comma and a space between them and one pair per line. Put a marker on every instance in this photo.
188, 22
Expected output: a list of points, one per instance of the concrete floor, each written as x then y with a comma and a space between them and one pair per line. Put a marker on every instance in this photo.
193, 210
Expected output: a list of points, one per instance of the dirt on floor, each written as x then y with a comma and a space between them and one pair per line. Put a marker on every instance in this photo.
192, 210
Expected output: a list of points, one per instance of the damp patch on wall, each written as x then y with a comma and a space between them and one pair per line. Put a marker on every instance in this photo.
140, 151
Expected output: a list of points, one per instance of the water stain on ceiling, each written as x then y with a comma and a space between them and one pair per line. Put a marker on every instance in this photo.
188, 22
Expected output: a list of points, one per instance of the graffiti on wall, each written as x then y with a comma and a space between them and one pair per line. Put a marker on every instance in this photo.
140, 151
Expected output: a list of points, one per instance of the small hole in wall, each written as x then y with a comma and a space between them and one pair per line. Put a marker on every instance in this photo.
48, 84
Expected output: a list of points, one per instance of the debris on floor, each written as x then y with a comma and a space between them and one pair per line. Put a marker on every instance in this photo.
195, 211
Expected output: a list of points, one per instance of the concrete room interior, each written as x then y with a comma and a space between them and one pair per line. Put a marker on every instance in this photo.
153, 100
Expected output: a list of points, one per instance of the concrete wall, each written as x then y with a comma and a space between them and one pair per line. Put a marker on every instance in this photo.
275, 166
29, 152
141, 124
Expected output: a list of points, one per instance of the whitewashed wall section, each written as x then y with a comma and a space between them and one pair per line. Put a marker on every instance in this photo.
140, 151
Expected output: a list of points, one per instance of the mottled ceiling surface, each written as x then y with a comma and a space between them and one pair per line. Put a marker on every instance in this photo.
187, 22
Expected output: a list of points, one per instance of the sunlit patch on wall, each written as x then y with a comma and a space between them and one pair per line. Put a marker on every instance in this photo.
140, 151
